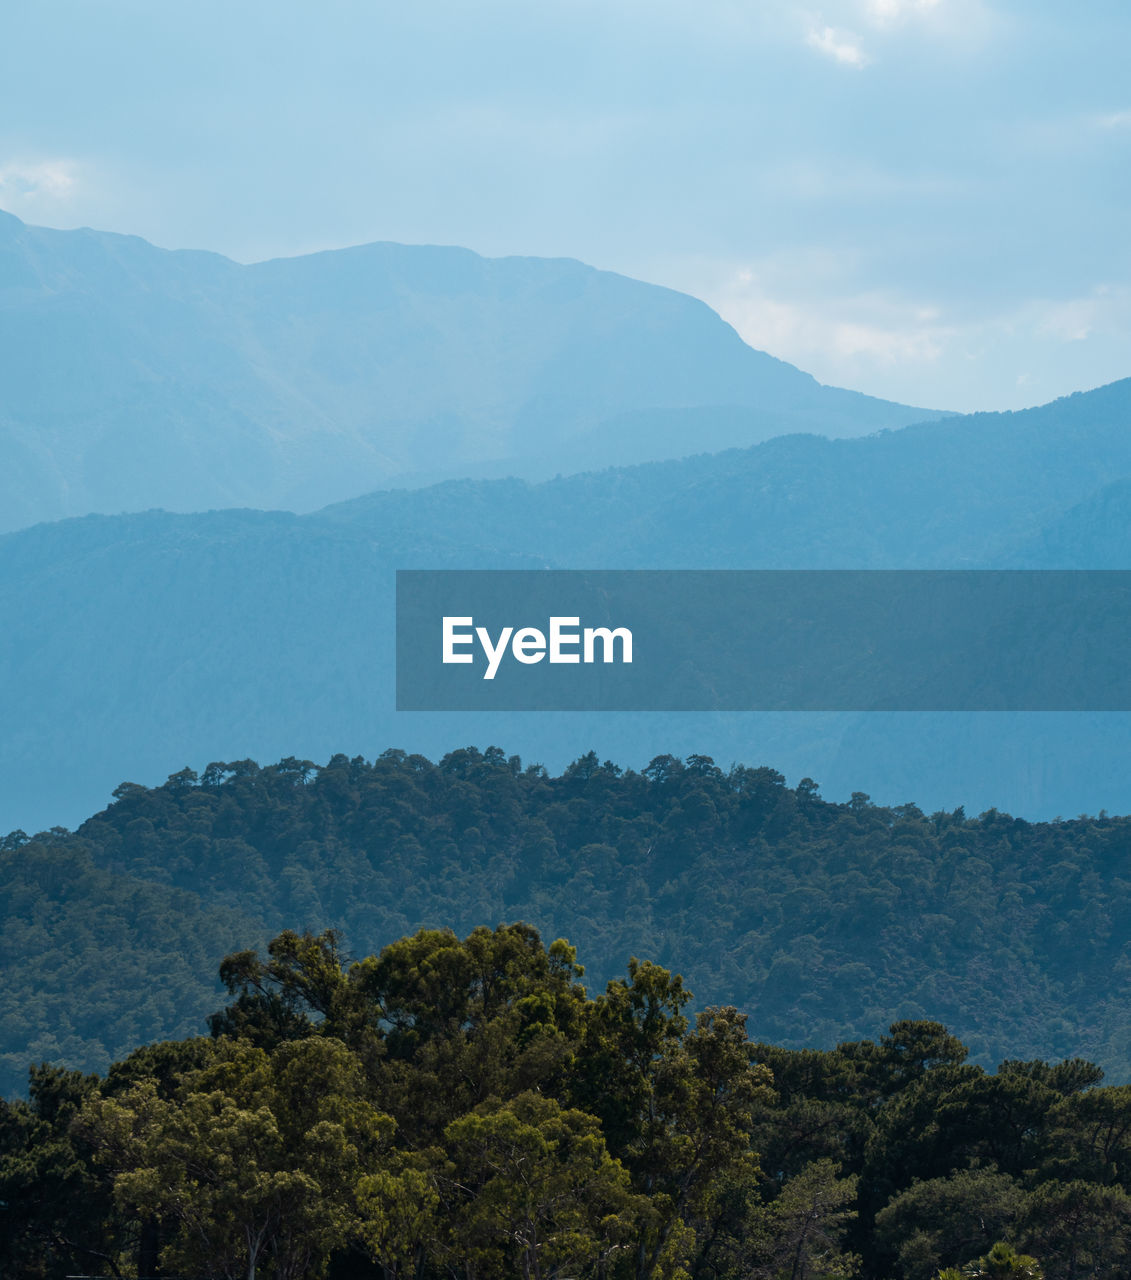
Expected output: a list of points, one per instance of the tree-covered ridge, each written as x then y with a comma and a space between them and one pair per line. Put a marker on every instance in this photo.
464, 1109
95, 961
822, 921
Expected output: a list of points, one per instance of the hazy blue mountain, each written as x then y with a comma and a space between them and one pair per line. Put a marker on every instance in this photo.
136, 377
135, 645
967, 493
1093, 534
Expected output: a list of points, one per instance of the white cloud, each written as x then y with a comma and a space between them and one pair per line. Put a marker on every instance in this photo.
839, 45
809, 310
36, 188
1106, 309
887, 345
955, 26
1115, 120
1068, 321
884, 12
841, 331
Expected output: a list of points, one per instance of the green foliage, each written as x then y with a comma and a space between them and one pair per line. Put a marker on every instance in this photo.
947, 1220
96, 961
55, 1211
807, 1223
463, 1108
829, 920
1003, 1262
1078, 1228
533, 1191
253, 1164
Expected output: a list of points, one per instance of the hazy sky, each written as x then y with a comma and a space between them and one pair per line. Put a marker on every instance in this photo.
924, 199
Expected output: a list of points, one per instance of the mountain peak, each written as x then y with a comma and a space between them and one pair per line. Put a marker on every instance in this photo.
146, 377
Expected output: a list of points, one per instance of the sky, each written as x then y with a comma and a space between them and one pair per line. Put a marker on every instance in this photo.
926, 200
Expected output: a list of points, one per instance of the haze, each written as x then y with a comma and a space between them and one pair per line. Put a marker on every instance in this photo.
924, 200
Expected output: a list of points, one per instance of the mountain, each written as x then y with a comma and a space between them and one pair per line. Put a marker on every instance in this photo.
971, 492
135, 645
823, 921
136, 377
1093, 534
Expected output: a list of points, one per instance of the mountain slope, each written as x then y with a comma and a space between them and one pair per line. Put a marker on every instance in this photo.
824, 922
137, 377
965, 493
136, 645
103, 958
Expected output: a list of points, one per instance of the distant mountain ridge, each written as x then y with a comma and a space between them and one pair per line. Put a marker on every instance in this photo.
136, 645
970, 492
138, 377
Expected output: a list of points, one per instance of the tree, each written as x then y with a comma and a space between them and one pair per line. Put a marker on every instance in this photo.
532, 1191
463, 1021
677, 1107
301, 988
398, 1219
1077, 1228
946, 1221
254, 1161
807, 1225
1003, 1262
56, 1211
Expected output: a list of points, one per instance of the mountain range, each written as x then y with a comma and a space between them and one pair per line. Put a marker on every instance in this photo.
137, 377
142, 642
135, 645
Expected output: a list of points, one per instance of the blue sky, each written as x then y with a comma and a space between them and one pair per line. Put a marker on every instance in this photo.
923, 199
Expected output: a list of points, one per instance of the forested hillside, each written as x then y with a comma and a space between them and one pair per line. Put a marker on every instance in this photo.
452, 1108
120, 959
822, 921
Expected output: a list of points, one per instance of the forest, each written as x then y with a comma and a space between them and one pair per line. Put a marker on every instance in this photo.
465, 1109
822, 921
